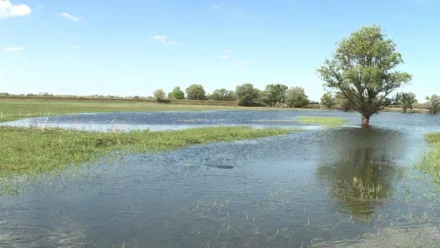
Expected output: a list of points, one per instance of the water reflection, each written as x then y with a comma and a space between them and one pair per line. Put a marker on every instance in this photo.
358, 167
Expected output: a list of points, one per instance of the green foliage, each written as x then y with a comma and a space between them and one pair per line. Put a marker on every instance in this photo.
32, 151
296, 97
177, 94
159, 94
434, 102
247, 95
363, 70
343, 103
222, 95
196, 92
407, 100
328, 100
274, 93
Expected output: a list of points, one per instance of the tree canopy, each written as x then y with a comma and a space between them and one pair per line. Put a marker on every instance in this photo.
196, 92
177, 94
274, 93
434, 102
328, 100
159, 94
222, 95
296, 97
406, 100
246, 94
363, 69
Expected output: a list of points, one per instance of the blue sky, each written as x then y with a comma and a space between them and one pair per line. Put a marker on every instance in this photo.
134, 47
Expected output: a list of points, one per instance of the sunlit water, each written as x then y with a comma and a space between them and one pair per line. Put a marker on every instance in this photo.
307, 189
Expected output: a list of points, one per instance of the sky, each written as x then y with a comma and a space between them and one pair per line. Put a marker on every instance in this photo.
133, 47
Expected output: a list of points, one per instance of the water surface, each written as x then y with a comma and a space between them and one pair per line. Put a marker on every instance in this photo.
343, 187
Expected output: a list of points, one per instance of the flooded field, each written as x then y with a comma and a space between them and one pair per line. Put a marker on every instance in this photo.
338, 187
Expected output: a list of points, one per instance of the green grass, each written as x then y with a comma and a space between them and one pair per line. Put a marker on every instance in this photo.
32, 151
323, 121
431, 160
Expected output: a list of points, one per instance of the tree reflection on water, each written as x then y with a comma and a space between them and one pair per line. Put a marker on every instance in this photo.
358, 168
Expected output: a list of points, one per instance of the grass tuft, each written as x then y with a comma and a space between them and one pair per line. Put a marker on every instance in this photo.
430, 162
33, 151
324, 121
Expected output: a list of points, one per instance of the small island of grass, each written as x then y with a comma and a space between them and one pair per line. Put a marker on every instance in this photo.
323, 121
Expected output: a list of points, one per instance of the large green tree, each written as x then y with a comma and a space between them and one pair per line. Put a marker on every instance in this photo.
246, 94
274, 93
177, 94
363, 69
296, 97
222, 95
196, 92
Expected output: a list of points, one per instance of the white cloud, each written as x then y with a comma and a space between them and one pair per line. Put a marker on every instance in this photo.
159, 38
228, 51
224, 57
163, 39
14, 49
7, 9
75, 47
69, 17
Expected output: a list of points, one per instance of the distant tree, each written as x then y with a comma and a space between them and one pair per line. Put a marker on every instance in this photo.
363, 70
343, 103
246, 94
159, 94
328, 100
195, 92
177, 94
434, 102
222, 95
406, 100
274, 93
296, 97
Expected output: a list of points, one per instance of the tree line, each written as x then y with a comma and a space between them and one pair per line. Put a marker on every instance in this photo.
245, 94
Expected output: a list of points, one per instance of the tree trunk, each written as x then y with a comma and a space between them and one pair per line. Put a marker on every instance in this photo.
365, 121
404, 109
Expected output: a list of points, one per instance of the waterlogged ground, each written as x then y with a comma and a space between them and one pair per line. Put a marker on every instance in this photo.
343, 187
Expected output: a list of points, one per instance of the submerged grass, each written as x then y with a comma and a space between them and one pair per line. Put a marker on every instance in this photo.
32, 151
324, 121
431, 160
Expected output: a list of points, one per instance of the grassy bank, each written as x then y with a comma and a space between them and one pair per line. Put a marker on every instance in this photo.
30, 151
322, 121
431, 160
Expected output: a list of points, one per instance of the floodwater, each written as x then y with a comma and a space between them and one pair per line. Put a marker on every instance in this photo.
343, 187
